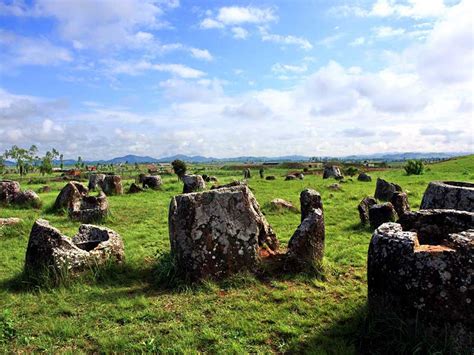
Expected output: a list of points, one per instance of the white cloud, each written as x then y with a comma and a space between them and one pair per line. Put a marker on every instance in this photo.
209, 23
137, 68
387, 31
288, 68
201, 54
239, 32
19, 50
234, 15
303, 43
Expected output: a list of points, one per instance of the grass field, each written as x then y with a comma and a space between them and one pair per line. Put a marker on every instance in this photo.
133, 309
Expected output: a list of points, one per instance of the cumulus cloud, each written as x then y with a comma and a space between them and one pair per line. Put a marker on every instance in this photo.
139, 67
301, 42
239, 32
387, 31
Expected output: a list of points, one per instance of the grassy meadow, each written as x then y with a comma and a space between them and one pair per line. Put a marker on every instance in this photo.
134, 308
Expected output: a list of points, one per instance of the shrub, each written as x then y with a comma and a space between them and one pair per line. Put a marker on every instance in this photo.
414, 167
351, 171
179, 167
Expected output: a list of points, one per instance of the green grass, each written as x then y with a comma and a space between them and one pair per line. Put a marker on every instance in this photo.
133, 309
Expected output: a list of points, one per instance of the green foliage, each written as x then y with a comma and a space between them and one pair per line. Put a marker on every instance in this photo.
351, 171
414, 167
179, 167
24, 157
7, 327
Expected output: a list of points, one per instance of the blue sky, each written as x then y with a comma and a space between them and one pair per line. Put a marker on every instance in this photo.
105, 78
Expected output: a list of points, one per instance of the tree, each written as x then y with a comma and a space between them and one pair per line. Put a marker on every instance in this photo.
61, 157
414, 167
2, 164
179, 167
46, 166
24, 157
351, 171
79, 162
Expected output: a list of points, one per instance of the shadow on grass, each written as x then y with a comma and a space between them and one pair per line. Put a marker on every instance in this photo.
363, 332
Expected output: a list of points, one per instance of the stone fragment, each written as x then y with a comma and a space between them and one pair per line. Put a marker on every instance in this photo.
10, 221
95, 181
152, 181
270, 177
290, 177
399, 201
219, 232
281, 204
309, 200
384, 190
71, 192
50, 251
332, 171
364, 207
134, 188
193, 183
449, 195
88, 209
44, 189
335, 187
381, 213
230, 184
364, 177
112, 185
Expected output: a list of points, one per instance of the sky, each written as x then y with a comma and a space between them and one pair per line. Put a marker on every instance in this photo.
106, 78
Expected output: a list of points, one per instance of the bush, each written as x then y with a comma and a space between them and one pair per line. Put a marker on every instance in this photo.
351, 171
414, 167
179, 167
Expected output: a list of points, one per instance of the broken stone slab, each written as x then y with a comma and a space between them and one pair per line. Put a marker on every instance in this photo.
332, 171
381, 213
95, 181
306, 246
426, 279
449, 195
364, 177
270, 177
27, 198
134, 188
71, 192
290, 177
193, 183
281, 204
217, 233
152, 181
10, 221
88, 209
8, 191
384, 190
49, 250
364, 207
399, 201
309, 200
112, 185
434, 225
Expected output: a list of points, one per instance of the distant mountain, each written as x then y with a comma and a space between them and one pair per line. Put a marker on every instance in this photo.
198, 159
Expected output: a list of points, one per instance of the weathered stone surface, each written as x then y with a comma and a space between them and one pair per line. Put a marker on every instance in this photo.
433, 226
399, 201
299, 176
381, 213
70, 193
219, 232
134, 188
213, 179
112, 185
335, 187
449, 195
364, 177
27, 198
49, 250
8, 191
364, 207
306, 246
332, 171
281, 204
193, 183
89, 209
152, 181
9, 221
246, 173
429, 281
230, 184
384, 190
270, 177
96, 180
309, 200
290, 177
